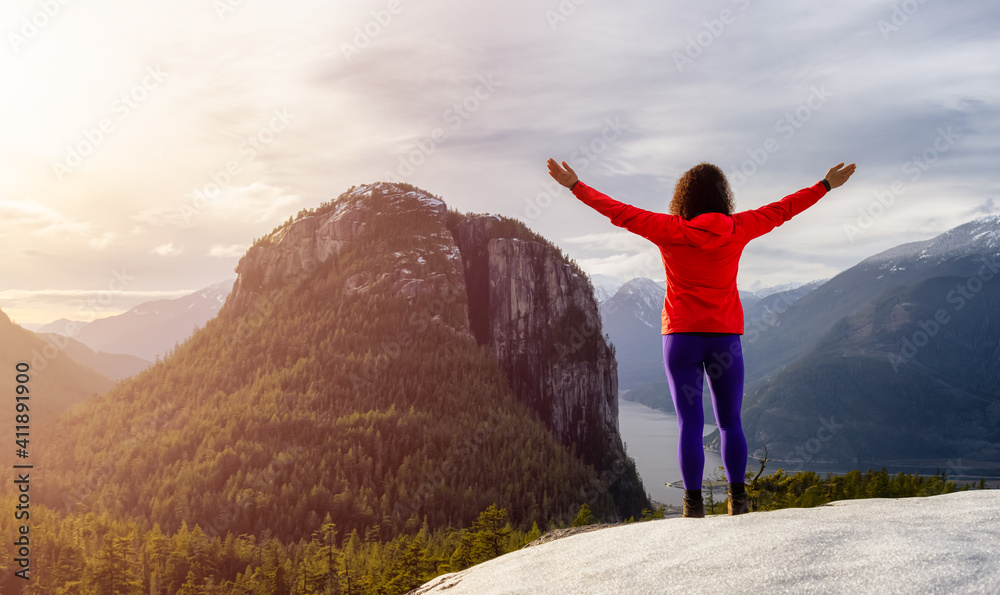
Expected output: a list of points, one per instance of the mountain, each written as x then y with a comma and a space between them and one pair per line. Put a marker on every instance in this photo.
895, 360
762, 292
150, 329
956, 252
605, 286
787, 292
381, 364
761, 313
56, 326
632, 318
115, 366
56, 382
940, 543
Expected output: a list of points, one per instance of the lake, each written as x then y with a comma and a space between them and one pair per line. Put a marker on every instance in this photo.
650, 436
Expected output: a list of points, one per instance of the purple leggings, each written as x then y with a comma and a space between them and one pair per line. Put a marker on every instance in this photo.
687, 359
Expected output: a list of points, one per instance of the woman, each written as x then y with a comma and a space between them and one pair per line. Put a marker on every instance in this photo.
700, 243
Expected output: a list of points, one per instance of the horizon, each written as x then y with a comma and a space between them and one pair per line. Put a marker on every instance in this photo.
755, 286
145, 146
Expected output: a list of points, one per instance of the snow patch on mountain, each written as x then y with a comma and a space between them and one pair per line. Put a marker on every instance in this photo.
979, 236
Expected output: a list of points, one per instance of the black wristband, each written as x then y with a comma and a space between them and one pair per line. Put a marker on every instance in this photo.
574, 185
827, 184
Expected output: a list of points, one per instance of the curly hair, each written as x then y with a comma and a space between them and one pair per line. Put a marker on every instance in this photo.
702, 189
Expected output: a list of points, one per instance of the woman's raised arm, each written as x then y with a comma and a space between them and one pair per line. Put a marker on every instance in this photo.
659, 228
757, 222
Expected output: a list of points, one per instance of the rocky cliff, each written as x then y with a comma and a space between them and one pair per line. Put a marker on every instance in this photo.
537, 312
531, 305
296, 247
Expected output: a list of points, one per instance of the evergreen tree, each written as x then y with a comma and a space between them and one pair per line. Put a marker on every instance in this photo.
461, 557
490, 532
534, 534
584, 517
113, 568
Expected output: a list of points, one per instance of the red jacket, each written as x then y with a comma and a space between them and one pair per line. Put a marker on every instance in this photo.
701, 256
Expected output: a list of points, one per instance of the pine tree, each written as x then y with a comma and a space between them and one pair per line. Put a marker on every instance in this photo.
490, 532
112, 572
461, 558
349, 567
584, 517
534, 534
190, 586
410, 568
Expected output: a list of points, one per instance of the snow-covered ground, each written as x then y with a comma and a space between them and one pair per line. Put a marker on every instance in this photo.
939, 544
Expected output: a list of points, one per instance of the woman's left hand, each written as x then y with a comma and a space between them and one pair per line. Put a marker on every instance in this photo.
567, 177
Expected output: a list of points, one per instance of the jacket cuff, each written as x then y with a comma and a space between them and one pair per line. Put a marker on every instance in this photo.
574, 185
826, 184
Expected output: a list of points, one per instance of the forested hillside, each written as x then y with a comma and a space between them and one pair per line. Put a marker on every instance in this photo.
342, 408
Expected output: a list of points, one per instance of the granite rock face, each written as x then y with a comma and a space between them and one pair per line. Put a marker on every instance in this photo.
537, 312
296, 248
538, 315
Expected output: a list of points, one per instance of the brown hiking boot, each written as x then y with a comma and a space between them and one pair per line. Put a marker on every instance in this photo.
738, 504
694, 506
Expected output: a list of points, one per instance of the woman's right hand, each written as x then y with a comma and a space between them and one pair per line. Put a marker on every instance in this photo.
839, 174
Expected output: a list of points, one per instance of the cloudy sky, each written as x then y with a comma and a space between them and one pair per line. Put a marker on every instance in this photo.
144, 145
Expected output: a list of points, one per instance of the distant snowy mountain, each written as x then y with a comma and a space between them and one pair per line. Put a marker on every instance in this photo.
605, 286
54, 327
974, 238
756, 293
766, 291
933, 544
152, 328
632, 319
641, 298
